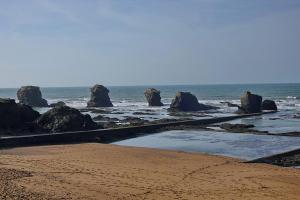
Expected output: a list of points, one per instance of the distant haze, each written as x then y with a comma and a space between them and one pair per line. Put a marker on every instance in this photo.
148, 42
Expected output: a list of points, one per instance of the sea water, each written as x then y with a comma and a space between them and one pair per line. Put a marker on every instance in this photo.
244, 146
130, 99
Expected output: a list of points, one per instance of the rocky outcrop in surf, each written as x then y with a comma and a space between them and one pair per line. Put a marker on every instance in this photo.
238, 128
153, 97
64, 118
185, 101
16, 116
99, 97
250, 103
31, 96
60, 103
269, 105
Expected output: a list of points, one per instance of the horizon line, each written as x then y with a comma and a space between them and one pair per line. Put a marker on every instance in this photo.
155, 85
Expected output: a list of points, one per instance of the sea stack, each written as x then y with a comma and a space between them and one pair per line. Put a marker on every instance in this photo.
269, 105
185, 101
250, 103
31, 96
153, 97
99, 97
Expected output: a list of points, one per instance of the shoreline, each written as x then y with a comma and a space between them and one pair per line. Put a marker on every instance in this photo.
284, 159
108, 135
105, 171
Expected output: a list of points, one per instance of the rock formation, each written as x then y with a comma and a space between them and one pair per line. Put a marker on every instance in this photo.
16, 116
153, 97
60, 103
239, 128
31, 96
250, 103
99, 97
64, 118
269, 105
185, 101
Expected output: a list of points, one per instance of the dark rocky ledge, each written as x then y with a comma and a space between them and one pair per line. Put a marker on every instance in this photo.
286, 159
108, 135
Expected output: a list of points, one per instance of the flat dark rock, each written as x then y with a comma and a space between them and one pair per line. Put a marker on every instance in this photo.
286, 159
187, 102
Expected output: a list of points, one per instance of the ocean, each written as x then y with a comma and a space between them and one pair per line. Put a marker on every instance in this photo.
129, 99
287, 96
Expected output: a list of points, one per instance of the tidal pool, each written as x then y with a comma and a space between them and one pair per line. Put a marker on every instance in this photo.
243, 146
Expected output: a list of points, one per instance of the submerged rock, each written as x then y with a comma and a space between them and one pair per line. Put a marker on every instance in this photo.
144, 113
99, 97
32, 96
60, 103
236, 127
134, 121
269, 105
185, 101
229, 104
250, 103
64, 118
96, 110
16, 116
106, 119
153, 97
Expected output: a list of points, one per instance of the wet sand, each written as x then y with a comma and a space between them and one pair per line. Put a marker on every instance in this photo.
102, 171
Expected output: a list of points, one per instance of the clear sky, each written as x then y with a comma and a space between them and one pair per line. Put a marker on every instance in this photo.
142, 42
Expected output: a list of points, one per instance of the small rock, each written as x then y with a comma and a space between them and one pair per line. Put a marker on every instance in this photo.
236, 127
134, 120
143, 113
269, 105
60, 103
107, 119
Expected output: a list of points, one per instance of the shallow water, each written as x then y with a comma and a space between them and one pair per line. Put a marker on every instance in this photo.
243, 146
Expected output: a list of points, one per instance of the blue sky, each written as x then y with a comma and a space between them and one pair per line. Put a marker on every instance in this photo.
139, 42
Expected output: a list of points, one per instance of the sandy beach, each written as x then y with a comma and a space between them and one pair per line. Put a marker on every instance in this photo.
101, 171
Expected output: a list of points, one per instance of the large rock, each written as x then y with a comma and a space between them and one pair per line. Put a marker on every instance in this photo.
32, 96
185, 101
99, 97
15, 116
250, 103
153, 97
269, 105
64, 118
